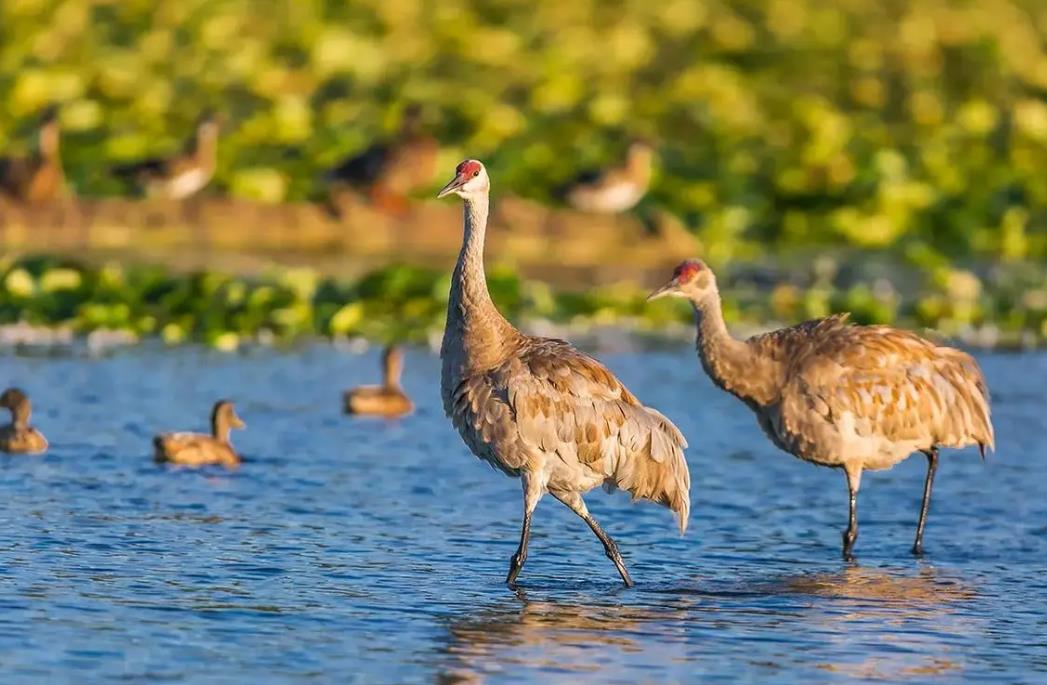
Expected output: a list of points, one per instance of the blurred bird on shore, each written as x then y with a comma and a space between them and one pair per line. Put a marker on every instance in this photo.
389, 170
614, 189
182, 175
38, 177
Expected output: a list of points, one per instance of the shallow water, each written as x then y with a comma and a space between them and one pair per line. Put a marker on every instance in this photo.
370, 551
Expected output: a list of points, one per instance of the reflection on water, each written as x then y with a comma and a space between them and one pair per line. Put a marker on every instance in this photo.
916, 615
373, 551
569, 637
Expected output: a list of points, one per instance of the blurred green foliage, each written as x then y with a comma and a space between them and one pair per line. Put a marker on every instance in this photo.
916, 126
409, 303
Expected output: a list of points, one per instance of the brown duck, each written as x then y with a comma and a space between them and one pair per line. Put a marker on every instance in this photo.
197, 449
180, 176
388, 171
18, 436
387, 399
615, 189
39, 177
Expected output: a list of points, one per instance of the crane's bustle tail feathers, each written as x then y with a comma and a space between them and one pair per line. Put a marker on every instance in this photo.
654, 468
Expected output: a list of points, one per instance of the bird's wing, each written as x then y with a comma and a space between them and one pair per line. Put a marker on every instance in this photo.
141, 169
562, 402
362, 169
889, 383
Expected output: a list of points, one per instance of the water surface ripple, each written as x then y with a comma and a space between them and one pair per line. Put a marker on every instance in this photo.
374, 552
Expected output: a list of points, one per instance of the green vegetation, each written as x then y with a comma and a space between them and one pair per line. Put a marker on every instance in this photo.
404, 303
916, 127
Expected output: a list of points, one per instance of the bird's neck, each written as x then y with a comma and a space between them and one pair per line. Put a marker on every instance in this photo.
206, 151
20, 414
49, 142
733, 365
471, 315
220, 429
391, 376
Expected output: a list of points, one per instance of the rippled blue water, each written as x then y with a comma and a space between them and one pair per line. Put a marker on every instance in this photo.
370, 551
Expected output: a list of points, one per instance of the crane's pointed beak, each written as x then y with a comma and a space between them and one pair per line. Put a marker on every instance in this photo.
456, 183
669, 288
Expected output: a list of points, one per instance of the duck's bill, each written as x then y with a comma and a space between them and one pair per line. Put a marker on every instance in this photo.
454, 185
667, 289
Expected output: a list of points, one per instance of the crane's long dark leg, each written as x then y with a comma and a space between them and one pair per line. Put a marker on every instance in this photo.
576, 504
532, 493
854, 479
932, 466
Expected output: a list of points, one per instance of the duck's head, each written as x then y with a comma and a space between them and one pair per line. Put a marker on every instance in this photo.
13, 398
224, 414
470, 180
691, 279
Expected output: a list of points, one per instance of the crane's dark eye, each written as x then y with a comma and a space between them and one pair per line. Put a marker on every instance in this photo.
476, 173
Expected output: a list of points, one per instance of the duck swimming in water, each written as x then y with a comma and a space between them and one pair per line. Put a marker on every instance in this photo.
197, 449
18, 436
387, 399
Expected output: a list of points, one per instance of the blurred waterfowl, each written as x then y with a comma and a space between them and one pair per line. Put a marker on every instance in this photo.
537, 409
184, 174
388, 171
387, 399
845, 396
197, 449
18, 436
38, 177
615, 189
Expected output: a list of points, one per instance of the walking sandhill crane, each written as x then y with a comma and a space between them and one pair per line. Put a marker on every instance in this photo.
39, 177
616, 189
197, 449
387, 399
18, 436
845, 396
182, 175
537, 409
388, 171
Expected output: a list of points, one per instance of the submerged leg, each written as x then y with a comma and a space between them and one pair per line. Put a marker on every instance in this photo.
932, 466
576, 504
532, 493
854, 480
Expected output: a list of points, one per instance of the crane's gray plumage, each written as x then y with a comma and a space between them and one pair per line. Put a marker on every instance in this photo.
849, 397
539, 409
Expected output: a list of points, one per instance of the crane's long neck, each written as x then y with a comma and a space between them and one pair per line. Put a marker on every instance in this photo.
733, 365
471, 315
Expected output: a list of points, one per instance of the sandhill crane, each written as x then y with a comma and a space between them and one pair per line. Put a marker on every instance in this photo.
850, 397
616, 189
387, 399
538, 409
39, 177
390, 170
197, 449
182, 175
18, 436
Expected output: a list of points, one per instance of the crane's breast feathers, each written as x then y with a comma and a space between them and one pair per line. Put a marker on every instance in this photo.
877, 381
551, 399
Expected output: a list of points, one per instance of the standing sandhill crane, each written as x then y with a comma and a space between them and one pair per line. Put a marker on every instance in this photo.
18, 436
845, 396
616, 189
539, 409
197, 449
183, 175
387, 399
389, 171
39, 177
